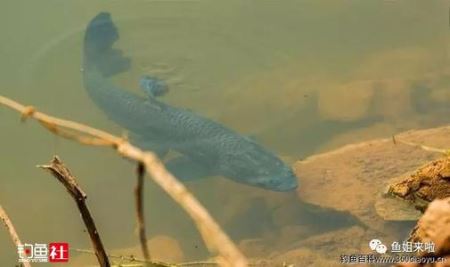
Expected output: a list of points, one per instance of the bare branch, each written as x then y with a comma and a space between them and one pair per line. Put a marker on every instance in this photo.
139, 197
62, 173
424, 147
12, 231
212, 234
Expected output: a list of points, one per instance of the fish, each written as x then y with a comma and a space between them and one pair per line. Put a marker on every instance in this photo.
205, 147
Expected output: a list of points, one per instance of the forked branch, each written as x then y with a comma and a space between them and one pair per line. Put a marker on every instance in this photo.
63, 175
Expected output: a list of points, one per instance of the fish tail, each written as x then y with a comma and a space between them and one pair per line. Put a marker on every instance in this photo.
100, 36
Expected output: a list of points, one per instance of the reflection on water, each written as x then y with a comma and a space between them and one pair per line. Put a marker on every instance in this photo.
300, 77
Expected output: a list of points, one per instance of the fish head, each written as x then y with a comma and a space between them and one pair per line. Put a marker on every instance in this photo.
256, 166
277, 177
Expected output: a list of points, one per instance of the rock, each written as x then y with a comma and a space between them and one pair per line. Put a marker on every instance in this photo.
303, 257
326, 249
428, 183
162, 248
346, 102
434, 226
292, 233
253, 247
165, 248
259, 100
374, 131
398, 64
394, 209
350, 240
394, 99
440, 95
350, 178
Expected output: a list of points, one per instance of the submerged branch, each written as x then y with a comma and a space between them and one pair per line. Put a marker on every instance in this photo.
12, 231
131, 259
213, 235
139, 198
141, 262
62, 173
424, 147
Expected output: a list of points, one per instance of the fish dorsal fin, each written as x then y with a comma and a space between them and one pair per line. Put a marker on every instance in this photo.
153, 86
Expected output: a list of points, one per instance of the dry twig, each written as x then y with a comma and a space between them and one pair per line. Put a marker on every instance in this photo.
64, 176
12, 231
211, 232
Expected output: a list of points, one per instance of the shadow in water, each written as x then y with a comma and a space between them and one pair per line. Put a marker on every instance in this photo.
261, 219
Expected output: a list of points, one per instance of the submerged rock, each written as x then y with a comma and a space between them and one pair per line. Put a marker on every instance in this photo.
352, 178
162, 248
335, 103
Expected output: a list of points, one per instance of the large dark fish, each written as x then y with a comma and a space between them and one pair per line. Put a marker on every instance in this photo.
207, 148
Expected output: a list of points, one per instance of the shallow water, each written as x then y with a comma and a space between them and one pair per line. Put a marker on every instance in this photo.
299, 76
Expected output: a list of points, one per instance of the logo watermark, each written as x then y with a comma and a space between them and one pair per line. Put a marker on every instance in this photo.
405, 247
381, 249
40, 252
378, 246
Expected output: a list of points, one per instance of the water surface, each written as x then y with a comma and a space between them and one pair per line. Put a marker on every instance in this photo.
299, 76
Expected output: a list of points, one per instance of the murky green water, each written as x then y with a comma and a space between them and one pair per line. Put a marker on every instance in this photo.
300, 76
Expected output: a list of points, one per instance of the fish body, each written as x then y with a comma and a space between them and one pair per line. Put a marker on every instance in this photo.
207, 147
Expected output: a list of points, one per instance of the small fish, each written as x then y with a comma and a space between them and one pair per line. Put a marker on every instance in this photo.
207, 148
